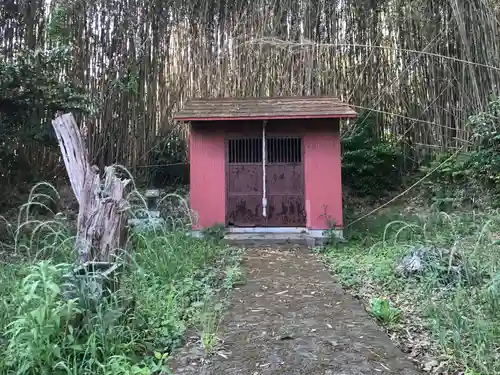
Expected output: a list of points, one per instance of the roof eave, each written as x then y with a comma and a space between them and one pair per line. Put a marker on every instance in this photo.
243, 118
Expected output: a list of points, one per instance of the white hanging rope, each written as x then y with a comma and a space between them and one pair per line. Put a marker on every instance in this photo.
264, 199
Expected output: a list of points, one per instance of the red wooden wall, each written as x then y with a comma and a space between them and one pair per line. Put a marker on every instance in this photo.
322, 167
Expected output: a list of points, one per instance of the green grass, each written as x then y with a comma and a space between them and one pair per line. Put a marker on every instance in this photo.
460, 311
168, 279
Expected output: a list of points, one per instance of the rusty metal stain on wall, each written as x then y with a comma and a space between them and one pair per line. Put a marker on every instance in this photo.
245, 211
244, 179
286, 211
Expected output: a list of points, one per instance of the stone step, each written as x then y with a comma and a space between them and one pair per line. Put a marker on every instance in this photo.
269, 239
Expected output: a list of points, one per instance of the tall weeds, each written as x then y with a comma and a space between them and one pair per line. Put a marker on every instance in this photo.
167, 280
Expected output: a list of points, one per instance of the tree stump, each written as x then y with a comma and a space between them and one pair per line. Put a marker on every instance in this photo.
101, 222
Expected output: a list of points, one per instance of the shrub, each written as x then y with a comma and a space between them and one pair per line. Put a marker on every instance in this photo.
169, 159
470, 173
370, 164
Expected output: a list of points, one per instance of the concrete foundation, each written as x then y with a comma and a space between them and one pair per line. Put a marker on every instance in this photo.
268, 236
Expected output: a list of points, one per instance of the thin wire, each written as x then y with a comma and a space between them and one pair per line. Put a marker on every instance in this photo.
277, 42
403, 117
161, 165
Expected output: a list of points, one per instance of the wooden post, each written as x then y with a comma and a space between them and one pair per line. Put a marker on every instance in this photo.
101, 220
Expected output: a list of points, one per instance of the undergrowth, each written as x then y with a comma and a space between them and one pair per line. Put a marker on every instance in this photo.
168, 282
447, 314
371, 163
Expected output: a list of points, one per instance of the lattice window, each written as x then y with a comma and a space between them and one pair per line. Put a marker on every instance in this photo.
278, 150
245, 150
284, 150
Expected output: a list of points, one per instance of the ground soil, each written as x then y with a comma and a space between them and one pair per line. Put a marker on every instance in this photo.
292, 318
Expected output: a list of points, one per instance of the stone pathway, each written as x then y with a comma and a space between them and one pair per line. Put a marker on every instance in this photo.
292, 318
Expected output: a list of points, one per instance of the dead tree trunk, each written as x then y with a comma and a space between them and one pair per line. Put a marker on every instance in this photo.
101, 219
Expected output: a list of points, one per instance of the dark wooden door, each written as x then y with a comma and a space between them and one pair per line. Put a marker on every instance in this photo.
244, 182
284, 182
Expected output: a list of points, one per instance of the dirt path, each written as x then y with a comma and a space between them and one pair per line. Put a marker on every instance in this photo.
292, 318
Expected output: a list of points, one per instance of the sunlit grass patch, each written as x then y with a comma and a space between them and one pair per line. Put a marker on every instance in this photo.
454, 294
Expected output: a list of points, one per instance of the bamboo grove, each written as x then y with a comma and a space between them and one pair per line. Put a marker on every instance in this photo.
424, 65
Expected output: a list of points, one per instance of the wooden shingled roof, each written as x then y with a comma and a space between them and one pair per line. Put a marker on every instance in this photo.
265, 108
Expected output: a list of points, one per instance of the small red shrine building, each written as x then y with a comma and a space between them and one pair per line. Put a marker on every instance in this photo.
269, 164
